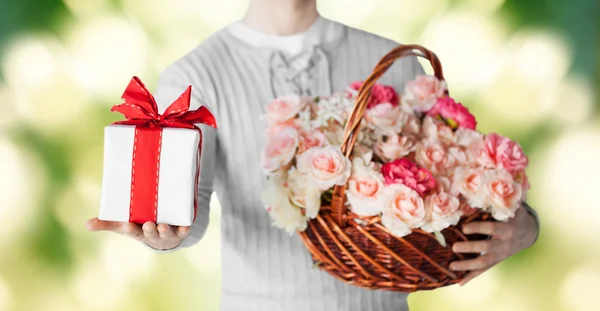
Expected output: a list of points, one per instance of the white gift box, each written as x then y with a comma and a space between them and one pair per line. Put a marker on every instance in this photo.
176, 181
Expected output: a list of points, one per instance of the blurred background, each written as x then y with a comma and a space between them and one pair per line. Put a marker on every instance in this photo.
527, 69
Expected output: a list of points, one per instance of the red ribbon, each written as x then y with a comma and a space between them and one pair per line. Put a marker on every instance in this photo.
141, 110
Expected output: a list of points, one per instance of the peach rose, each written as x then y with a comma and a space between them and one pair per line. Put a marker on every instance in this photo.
380, 94
442, 210
435, 157
285, 108
455, 114
469, 183
279, 150
394, 147
403, 209
423, 92
364, 189
502, 192
436, 130
311, 139
324, 166
403, 171
386, 118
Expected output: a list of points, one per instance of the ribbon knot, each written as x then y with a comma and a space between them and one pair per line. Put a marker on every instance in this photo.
140, 109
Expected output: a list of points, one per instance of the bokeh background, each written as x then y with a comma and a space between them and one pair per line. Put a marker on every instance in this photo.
528, 69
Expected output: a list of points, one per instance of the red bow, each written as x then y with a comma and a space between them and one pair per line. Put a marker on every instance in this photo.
140, 109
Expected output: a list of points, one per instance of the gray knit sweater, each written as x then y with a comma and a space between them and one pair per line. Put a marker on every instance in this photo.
264, 268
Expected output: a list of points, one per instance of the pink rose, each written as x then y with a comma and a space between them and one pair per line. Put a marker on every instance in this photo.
285, 108
324, 167
442, 210
436, 130
394, 147
279, 150
497, 151
380, 94
403, 171
277, 128
310, 140
455, 114
435, 157
510, 156
364, 189
423, 92
503, 193
403, 209
386, 118
469, 182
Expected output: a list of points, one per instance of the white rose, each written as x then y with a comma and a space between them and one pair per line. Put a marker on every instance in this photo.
364, 189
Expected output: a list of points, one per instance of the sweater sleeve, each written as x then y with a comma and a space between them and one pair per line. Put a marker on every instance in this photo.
171, 84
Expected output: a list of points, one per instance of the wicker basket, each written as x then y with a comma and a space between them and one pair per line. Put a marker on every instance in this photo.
362, 252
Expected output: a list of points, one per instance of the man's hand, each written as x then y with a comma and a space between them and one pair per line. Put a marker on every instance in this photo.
161, 237
508, 238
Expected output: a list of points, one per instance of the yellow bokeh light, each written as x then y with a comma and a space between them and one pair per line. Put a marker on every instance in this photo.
524, 91
467, 44
579, 289
574, 101
411, 15
77, 204
106, 52
125, 260
20, 184
37, 74
568, 188
6, 299
540, 57
476, 292
96, 290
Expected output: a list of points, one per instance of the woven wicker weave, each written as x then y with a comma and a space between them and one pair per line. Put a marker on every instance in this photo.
366, 254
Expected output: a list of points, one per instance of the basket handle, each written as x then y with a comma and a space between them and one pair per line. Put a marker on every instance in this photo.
338, 208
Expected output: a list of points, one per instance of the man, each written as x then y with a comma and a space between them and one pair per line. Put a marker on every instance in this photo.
278, 48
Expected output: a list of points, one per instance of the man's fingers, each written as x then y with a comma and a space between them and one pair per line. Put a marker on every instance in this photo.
132, 230
150, 231
486, 246
165, 231
481, 262
96, 224
183, 232
483, 227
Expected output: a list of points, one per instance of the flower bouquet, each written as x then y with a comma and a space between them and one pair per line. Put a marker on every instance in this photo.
376, 182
